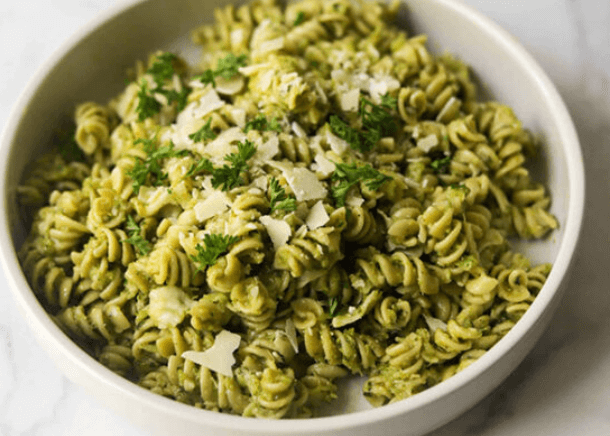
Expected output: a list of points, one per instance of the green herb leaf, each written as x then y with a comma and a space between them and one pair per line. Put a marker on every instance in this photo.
152, 164
441, 165
68, 148
214, 245
135, 236
278, 198
377, 118
229, 65
204, 133
226, 68
261, 124
229, 176
175, 96
333, 305
162, 69
299, 19
347, 133
203, 165
348, 175
388, 101
147, 105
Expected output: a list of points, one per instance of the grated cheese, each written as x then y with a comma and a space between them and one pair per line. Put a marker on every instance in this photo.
214, 205
349, 100
278, 230
219, 357
168, 305
317, 216
304, 184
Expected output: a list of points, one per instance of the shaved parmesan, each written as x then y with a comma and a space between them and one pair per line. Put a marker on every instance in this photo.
337, 144
305, 184
229, 86
208, 103
434, 323
278, 230
168, 305
428, 143
271, 45
219, 357
291, 333
317, 216
266, 151
222, 145
349, 100
215, 204
325, 167
354, 201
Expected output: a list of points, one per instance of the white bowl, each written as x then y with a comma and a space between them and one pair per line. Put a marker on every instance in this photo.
90, 66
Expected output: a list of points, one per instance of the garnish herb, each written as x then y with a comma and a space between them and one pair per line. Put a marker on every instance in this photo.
152, 164
376, 123
214, 245
161, 70
465, 189
441, 165
135, 236
204, 133
388, 101
68, 148
333, 305
147, 104
299, 19
349, 175
228, 176
226, 68
261, 124
278, 198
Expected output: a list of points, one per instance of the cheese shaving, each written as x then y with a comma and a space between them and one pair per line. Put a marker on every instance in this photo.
317, 216
278, 230
305, 184
219, 357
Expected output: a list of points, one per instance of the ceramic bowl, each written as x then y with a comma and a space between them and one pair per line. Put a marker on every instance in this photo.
91, 65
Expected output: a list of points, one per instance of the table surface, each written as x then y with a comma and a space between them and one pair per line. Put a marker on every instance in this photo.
562, 387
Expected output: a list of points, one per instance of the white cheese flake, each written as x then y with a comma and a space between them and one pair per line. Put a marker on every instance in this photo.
349, 100
305, 184
271, 45
219, 357
267, 150
291, 333
325, 166
168, 305
208, 103
317, 216
338, 145
214, 205
278, 230
434, 323
427, 143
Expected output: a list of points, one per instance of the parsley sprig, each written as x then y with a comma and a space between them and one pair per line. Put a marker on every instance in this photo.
226, 68
261, 124
161, 70
278, 198
299, 19
333, 305
152, 164
204, 133
440, 165
227, 176
377, 122
135, 236
348, 175
214, 245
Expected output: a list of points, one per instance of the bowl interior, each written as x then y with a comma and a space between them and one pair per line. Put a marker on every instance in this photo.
92, 65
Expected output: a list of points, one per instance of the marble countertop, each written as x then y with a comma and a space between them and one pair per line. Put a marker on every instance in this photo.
562, 388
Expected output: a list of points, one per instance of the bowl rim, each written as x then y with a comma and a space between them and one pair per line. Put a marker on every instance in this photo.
46, 329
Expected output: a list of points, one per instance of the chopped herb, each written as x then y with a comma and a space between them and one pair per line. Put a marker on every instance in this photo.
261, 123
299, 19
460, 187
175, 96
152, 164
352, 136
333, 305
349, 175
203, 164
135, 236
162, 69
441, 165
226, 68
215, 245
147, 104
229, 176
377, 118
204, 133
68, 148
388, 101
278, 198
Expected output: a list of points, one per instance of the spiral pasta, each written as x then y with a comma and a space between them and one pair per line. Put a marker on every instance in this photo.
320, 196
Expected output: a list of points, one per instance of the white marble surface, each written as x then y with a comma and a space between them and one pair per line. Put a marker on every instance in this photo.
561, 389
